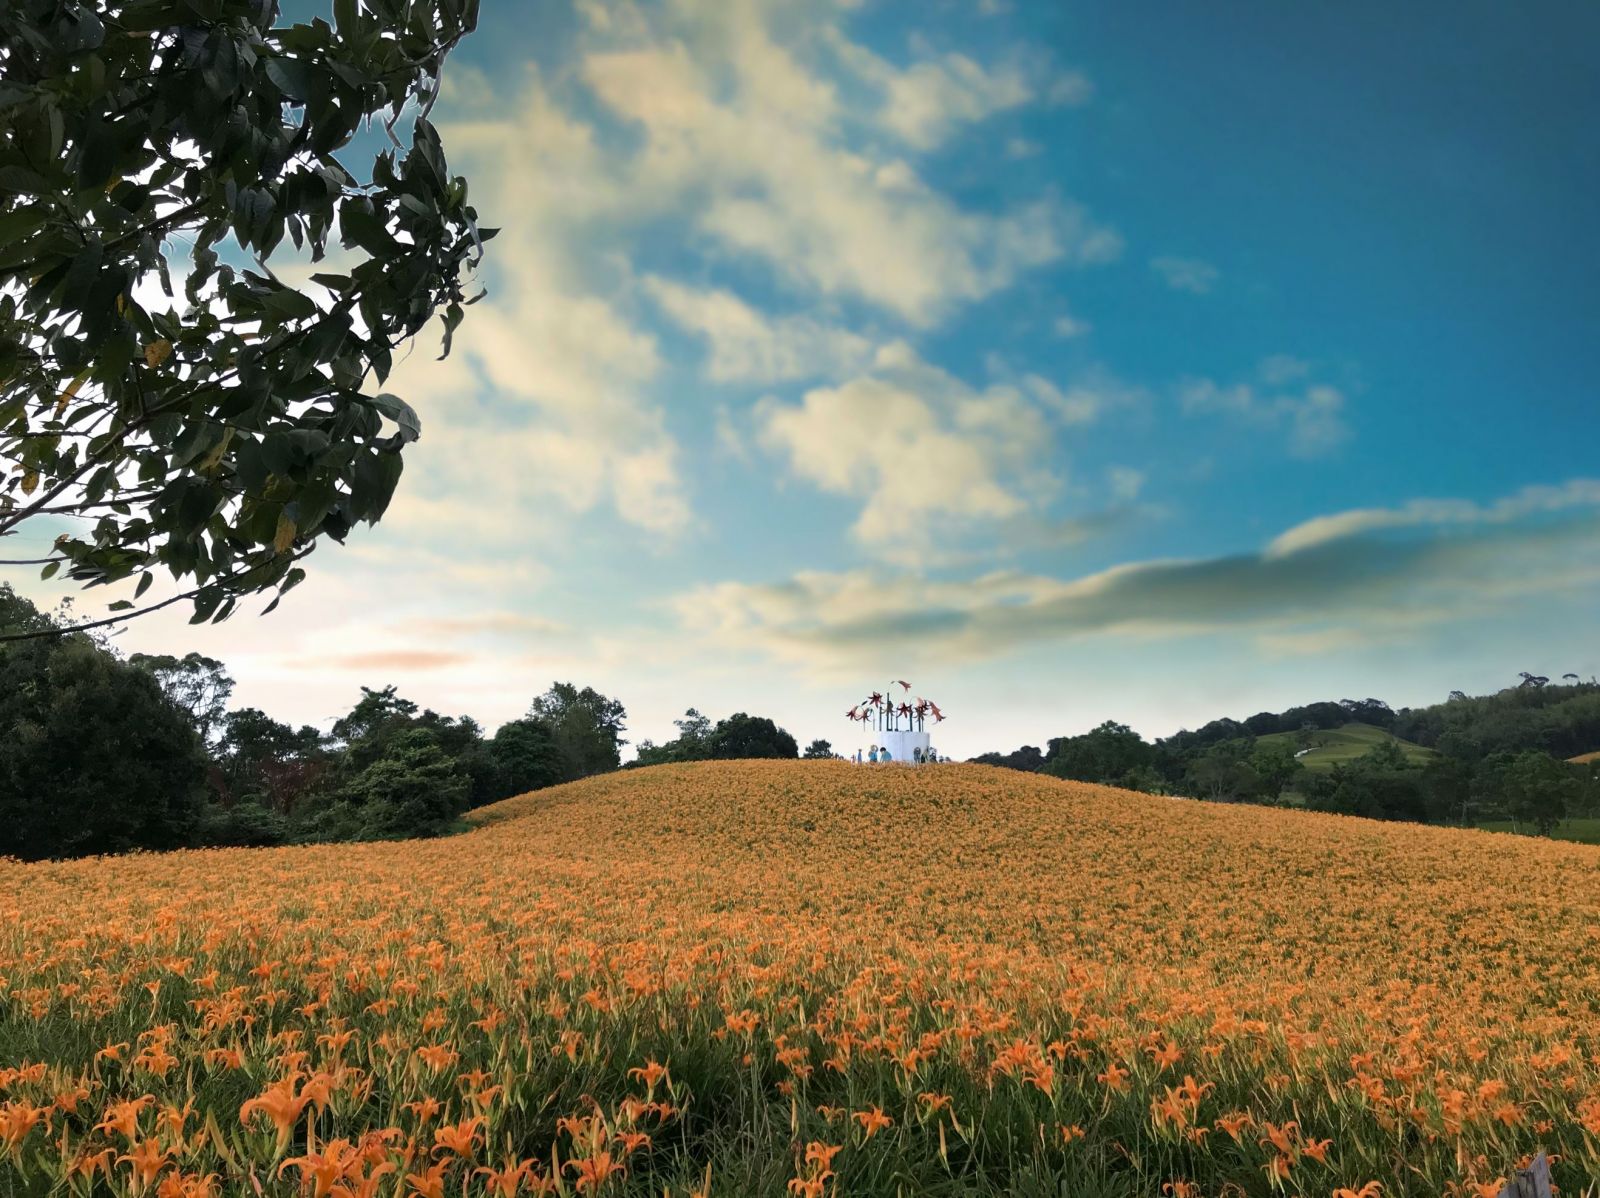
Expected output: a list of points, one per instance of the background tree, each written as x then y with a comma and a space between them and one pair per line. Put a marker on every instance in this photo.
376, 714
1223, 772
818, 749
93, 757
1276, 768
262, 761
412, 789
693, 742
526, 757
214, 435
1532, 787
1028, 757
1108, 754
741, 735
586, 726
1381, 784
198, 684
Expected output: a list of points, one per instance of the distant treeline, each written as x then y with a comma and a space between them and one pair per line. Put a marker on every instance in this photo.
104, 754
1494, 757
101, 754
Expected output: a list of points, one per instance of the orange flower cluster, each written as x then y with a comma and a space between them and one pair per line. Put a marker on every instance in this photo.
808, 978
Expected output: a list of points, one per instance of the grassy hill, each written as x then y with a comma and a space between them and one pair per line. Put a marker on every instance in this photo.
811, 978
1334, 745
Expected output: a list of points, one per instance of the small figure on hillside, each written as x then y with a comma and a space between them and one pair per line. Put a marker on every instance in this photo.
873, 756
885, 755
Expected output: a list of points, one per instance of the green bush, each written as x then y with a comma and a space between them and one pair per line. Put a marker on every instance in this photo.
93, 757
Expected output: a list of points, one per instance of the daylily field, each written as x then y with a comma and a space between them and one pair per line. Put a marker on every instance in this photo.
810, 978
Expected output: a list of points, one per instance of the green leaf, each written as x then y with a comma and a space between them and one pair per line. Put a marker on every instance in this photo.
402, 413
291, 76
452, 321
206, 602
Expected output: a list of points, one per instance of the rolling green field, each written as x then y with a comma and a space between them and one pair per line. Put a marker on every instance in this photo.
1335, 745
1578, 830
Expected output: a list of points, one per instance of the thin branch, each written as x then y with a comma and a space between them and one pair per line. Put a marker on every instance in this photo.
116, 619
124, 616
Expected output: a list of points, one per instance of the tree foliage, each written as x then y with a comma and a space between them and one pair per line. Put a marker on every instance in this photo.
200, 685
94, 758
742, 735
1113, 754
268, 764
1500, 757
210, 420
586, 727
412, 788
526, 757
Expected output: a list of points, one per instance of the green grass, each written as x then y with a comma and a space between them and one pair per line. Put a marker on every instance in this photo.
1332, 746
1579, 829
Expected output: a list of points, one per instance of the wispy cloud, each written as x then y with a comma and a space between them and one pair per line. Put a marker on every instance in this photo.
1332, 584
1186, 274
748, 345
1438, 513
744, 132
406, 660
1311, 416
1067, 325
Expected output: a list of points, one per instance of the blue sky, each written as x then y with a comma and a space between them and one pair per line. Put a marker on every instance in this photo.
1072, 363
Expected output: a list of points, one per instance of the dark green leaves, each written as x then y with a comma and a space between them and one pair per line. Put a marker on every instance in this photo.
401, 413
147, 140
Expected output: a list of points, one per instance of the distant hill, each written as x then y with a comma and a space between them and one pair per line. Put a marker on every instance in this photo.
1335, 745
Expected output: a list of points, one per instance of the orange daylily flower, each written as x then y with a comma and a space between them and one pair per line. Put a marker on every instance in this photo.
873, 1121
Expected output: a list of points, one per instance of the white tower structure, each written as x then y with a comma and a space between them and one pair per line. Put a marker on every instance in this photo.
895, 721
904, 745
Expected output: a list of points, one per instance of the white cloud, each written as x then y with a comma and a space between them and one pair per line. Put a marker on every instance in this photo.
1528, 502
1068, 326
1331, 589
1186, 274
749, 346
756, 148
1282, 368
1070, 88
1125, 483
926, 453
924, 103
1312, 416
1080, 403
547, 397
731, 440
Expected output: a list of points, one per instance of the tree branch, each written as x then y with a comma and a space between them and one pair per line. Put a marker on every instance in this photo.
124, 616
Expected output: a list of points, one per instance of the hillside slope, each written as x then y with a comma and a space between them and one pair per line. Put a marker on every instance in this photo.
1333, 746
967, 980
